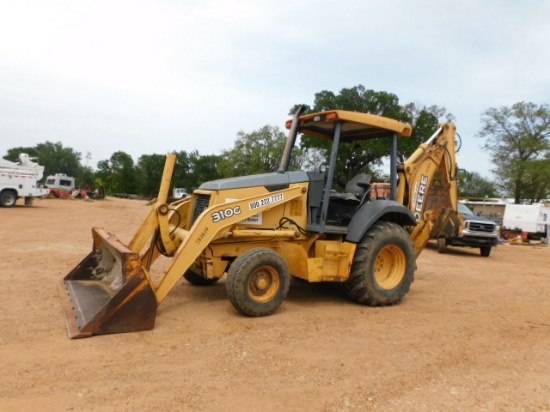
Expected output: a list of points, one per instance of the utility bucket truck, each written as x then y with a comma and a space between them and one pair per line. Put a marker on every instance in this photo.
260, 230
20, 179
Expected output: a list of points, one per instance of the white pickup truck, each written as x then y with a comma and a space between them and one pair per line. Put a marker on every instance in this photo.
478, 232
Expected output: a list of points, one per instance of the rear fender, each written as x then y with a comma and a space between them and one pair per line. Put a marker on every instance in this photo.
371, 212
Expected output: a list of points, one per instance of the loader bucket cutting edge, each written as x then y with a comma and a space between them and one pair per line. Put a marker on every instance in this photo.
108, 291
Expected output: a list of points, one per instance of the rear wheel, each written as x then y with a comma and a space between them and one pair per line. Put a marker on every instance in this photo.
383, 267
8, 198
197, 280
485, 251
257, 282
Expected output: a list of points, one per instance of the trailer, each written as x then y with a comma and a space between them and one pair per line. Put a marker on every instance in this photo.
532, 220
61, 181
20, 180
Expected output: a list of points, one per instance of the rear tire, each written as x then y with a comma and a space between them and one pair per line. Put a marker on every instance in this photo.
383, 267
197, 280
8, 198
485, 251
257, 282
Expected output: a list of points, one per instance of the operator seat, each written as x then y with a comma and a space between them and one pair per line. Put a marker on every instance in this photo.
359, 185
357, 190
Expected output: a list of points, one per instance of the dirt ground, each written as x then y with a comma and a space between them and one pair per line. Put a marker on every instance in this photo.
473, 334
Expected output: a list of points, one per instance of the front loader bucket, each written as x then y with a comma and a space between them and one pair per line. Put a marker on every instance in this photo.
108, 292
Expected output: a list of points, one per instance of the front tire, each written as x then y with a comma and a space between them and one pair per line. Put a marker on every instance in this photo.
383, 267
8, 198
441, 245
257, 282
485, 251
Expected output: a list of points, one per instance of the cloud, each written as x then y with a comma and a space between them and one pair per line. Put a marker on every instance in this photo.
149, 77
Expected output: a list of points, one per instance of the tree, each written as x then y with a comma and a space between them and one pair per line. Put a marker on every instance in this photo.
58, 159
119, 173
182, 171
473, 185
204, 169
150, 169
13, 154
192, 169
104, 174
518, 140
365, 156
256, 152
54, 157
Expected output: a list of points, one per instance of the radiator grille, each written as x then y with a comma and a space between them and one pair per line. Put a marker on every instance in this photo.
201, 204
485, 227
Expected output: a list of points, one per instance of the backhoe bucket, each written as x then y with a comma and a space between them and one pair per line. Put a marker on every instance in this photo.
108, 292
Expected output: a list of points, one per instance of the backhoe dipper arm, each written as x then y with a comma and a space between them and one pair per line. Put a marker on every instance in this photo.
427, 186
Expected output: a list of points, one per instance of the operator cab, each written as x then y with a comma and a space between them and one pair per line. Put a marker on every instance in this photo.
332, 212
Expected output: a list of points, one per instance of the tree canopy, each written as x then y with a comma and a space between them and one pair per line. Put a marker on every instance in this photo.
518, 141
53, 156
257, 152
517, 138
367, 155
473, 185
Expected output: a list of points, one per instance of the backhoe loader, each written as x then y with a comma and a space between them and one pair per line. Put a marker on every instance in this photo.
262, 229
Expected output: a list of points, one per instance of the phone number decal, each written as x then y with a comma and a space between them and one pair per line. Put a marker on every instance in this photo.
266, 201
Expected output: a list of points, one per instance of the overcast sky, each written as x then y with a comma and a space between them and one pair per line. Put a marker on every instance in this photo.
150, 77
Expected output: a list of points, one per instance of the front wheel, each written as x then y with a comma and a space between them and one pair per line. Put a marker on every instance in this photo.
8, 198
383, 267
441, 245
257, 282
485, 251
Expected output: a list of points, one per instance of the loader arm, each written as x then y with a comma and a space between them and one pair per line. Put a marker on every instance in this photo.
211, 225
428, 187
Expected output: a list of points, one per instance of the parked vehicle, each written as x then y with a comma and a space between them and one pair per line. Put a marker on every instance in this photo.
179, 193
530, 219
61, 181
264, 228
20, 180
477, 232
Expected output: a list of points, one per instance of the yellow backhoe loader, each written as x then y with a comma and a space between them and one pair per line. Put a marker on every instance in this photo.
260, 230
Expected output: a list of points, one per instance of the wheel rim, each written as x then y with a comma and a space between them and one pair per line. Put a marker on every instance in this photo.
264, 284
390, 267
9, 199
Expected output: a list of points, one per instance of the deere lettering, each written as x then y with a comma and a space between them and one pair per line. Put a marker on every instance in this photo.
226, 213
419, 201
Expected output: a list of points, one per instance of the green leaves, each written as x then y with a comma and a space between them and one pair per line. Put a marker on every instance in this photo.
257, 152
366, 156
518, 140
473, 185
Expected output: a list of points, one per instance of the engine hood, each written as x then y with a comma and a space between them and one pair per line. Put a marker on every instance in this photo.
475, 218
265, 179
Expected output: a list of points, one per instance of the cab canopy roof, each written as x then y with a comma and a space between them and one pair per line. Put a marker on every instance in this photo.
355, 125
